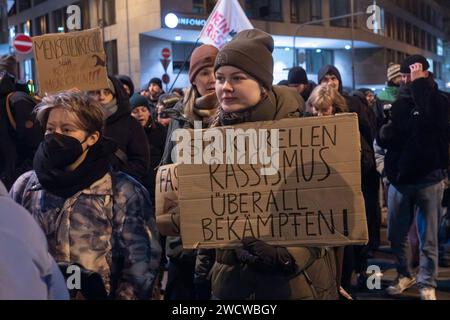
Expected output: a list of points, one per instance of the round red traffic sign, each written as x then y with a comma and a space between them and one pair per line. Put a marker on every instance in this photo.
165, 78
165, 53
23, 43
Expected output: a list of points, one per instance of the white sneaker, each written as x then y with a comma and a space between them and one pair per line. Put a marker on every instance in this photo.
427, 293
400, 284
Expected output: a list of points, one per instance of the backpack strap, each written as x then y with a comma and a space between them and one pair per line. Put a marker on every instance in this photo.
12, 121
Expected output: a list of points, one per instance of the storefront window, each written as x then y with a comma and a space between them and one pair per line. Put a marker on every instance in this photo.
24, 5
28, 69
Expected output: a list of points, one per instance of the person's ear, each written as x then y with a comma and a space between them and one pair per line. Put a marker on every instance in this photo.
93, 138
427, 73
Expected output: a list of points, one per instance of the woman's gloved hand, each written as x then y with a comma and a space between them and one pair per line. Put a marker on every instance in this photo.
268, 258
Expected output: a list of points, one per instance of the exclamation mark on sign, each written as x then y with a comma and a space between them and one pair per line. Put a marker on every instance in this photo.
345, 219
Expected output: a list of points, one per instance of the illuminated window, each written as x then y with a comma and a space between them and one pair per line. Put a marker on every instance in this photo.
316, 59
59, 20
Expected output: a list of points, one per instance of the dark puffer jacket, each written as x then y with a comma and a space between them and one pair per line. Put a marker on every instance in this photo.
134, 155
417, 137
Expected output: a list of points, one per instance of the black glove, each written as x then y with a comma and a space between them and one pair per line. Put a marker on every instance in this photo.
264, 257
92, 286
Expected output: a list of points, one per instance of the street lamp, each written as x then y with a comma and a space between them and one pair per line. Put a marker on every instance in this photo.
320, 21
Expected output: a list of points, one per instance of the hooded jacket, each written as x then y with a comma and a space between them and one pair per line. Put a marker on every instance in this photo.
417, 137
134, 155
27, 271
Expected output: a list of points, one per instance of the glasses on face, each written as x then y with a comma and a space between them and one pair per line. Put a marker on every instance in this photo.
233, 79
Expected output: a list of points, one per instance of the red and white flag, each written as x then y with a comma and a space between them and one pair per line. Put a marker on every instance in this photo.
224, 22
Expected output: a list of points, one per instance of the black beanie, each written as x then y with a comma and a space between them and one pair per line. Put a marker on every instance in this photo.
330, 70
251, 51
156, 81
417, 58
297, 75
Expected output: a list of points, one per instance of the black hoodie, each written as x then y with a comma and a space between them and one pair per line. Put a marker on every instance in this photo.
134, 157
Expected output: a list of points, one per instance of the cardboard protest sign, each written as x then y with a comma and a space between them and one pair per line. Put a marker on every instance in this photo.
166, 201
314, 199
70, 60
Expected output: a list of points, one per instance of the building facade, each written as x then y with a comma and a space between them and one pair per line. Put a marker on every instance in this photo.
135, 33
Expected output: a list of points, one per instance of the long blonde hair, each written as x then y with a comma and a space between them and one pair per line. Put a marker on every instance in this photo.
325, 95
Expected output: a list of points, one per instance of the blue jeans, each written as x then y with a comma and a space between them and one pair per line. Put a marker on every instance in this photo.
402, 201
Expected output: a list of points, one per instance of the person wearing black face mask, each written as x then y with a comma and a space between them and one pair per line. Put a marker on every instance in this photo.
82, 205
